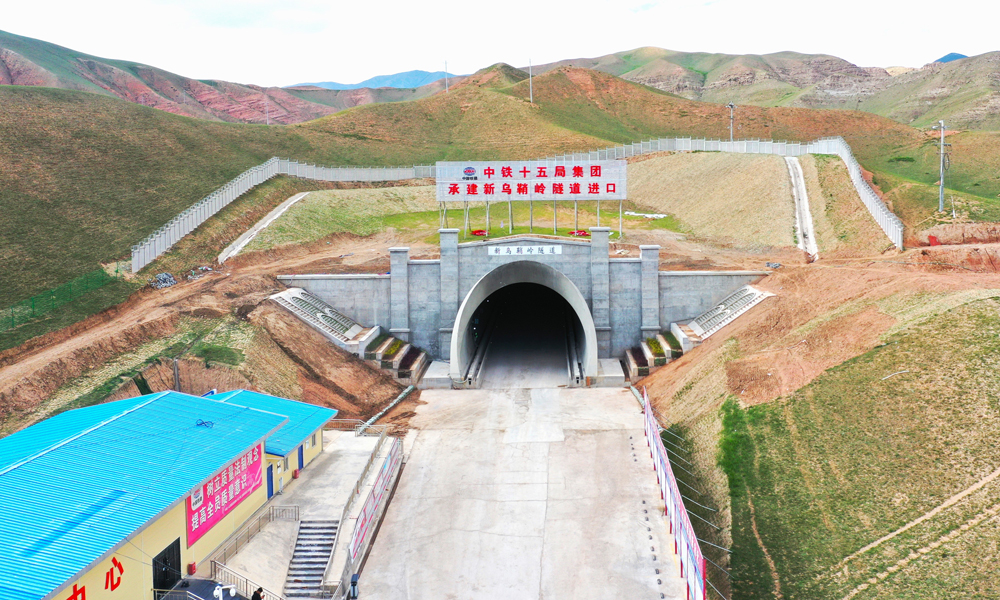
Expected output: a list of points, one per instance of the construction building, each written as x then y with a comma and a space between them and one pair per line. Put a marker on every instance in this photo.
117, 500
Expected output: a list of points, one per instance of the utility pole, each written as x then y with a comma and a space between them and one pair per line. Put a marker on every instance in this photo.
944, 166
531, 89
446, 77
731, 108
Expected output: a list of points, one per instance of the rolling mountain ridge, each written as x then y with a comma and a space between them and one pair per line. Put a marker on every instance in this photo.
964, 91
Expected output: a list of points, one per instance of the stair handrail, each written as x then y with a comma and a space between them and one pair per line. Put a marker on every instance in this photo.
244, 585
264, 516
355, 493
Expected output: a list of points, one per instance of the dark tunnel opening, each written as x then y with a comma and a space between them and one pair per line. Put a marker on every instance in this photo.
527, 335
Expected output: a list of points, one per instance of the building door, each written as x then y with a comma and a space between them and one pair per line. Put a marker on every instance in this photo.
270, 481
167, 567
302, 461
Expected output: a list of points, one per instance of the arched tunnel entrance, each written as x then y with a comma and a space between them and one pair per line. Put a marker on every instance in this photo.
524, 324
533, 337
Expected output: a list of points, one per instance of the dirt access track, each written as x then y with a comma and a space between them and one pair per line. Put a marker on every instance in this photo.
32, 372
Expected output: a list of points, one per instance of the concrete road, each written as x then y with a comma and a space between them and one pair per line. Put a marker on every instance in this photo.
528, 347
525, 494
511, 363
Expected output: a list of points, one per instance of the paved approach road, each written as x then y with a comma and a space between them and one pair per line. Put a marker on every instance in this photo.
525, 494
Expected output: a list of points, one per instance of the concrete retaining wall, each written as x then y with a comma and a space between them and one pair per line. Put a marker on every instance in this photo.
363, 298
686, 294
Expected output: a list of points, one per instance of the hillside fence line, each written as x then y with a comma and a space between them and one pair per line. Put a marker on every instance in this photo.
169, 234
49, 300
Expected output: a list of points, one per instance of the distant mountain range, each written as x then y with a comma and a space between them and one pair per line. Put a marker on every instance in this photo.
408, 79
966, 93
950, 57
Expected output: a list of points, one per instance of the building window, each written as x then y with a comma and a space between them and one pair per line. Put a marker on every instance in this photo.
286, 463
313, 439
308, 443
279, 469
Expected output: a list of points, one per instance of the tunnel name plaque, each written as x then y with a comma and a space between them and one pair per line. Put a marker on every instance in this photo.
524, 250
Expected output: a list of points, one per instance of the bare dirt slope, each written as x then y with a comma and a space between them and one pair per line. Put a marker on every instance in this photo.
31, 373
822, 314
745, 199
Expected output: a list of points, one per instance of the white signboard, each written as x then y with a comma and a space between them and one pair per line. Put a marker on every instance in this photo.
479, 181
524, 250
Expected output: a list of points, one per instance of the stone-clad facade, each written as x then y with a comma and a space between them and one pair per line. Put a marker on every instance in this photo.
628, 298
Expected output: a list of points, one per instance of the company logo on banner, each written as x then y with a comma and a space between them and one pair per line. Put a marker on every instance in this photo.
531, 180
210, 503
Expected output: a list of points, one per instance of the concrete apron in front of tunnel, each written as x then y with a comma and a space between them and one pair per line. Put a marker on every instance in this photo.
530, 339
525, 494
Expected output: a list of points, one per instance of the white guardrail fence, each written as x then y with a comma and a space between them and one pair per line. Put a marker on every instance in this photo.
165, 237
685, 541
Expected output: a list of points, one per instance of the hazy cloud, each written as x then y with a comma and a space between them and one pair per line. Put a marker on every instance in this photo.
280, 43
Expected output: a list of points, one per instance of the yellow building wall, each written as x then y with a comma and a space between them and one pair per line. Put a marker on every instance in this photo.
136, 556
135, 582
308, 455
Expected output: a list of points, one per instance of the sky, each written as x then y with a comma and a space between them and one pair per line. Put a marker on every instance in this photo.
283, 42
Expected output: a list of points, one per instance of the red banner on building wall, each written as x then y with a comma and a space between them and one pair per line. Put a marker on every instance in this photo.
210, 503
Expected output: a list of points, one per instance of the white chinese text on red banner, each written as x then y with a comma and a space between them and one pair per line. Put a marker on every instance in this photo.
531, 180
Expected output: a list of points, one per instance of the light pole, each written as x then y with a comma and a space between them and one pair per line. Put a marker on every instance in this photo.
944, 160
531, 89
731, 108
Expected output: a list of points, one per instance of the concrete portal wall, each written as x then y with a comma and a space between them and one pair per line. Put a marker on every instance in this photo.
686, 294
475, 261
627, 299
425, 304
364, 298
626, 304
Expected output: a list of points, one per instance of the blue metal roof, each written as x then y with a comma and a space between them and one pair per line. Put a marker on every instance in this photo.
75, 486
59, 427
303, 418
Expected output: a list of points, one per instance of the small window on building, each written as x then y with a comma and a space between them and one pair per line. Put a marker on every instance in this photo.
313, 439
286, 463
308, 443
279, 469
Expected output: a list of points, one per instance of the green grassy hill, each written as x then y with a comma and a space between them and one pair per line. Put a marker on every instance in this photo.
85, 176
855, 456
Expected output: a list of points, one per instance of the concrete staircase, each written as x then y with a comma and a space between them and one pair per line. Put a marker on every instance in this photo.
334, 325
313, 548
406, 363
693, 333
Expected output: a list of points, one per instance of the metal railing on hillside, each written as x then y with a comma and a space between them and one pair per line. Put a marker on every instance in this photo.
686, 543
244, 586
166, 236
886, 219
187, 221
49, 300
242, 537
